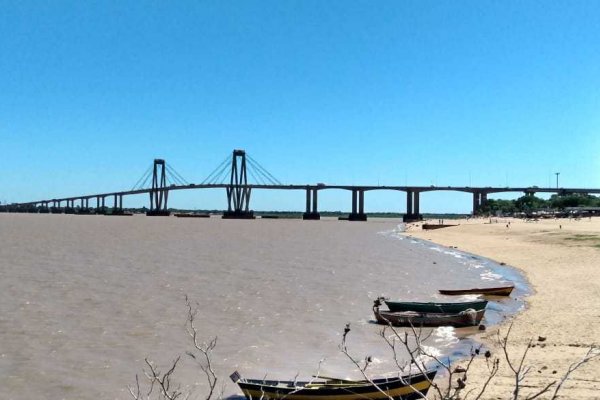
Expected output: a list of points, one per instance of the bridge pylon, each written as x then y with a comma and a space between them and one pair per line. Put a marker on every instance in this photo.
238, 192
159, 194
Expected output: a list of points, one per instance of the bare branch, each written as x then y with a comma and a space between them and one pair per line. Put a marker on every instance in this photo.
166, 389
204, 348
344, 349
493, 372
164, 381
592, 353
541, 392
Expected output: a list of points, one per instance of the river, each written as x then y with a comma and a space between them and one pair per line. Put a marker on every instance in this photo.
84, 299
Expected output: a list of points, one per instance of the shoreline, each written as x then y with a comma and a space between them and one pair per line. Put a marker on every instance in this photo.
490, 271
560, 259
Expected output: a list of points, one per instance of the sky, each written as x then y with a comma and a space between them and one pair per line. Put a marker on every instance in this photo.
469, 93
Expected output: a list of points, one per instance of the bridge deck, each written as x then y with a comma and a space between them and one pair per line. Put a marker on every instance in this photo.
419, 189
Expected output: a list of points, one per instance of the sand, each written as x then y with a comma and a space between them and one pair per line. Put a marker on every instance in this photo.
561, 260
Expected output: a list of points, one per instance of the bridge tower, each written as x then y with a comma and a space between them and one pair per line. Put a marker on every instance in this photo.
238, 192
159, 193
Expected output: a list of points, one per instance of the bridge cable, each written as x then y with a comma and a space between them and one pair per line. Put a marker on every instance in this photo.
219, 176
217, 171
254, 171
169, 177
144, 184
148, 171
177, 174
263, 171
172, 178
225, 173
260, 181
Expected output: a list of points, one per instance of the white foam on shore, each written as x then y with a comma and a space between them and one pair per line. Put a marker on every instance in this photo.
483, 271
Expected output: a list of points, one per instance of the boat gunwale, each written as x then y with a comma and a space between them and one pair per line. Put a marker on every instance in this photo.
483, 291
299, 386
436, 306
414, 318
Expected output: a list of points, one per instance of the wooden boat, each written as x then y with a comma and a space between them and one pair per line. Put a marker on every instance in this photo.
435, 226
408, 387
416, 319
435, 307
492, 291
192, 215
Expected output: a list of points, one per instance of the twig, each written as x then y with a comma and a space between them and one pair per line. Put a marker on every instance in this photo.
204, 348
592, 353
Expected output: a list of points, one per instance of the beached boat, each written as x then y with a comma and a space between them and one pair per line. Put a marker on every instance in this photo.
491, 291
435, 307
408, 387
410, 318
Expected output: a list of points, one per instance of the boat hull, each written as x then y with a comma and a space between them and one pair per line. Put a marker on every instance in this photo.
410, 318
434, 307
405, 388
497, 291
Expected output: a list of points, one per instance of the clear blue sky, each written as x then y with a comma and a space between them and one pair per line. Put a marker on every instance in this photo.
479, 93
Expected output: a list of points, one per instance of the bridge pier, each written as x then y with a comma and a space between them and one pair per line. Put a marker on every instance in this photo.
238, 212
117, 208
413, 212
70, 207
311, 213
84, 208
56, 207
358, 199
44, 209
100, 209
479, 200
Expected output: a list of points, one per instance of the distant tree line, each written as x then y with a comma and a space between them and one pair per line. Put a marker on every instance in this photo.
532, 203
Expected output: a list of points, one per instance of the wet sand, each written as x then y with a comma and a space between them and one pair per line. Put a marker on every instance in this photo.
561, 259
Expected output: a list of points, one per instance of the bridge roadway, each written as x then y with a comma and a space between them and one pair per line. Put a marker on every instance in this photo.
412, 202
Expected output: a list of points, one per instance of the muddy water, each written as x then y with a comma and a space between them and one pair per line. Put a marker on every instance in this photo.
84, 299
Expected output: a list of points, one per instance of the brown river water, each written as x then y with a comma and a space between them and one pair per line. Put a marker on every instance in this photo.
84, 299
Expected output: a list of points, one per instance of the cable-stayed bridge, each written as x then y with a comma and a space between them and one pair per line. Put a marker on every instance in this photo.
239, 175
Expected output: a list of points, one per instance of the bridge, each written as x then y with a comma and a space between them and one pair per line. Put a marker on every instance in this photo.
163, 180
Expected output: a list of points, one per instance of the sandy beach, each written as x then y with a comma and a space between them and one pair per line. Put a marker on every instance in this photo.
561, 260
